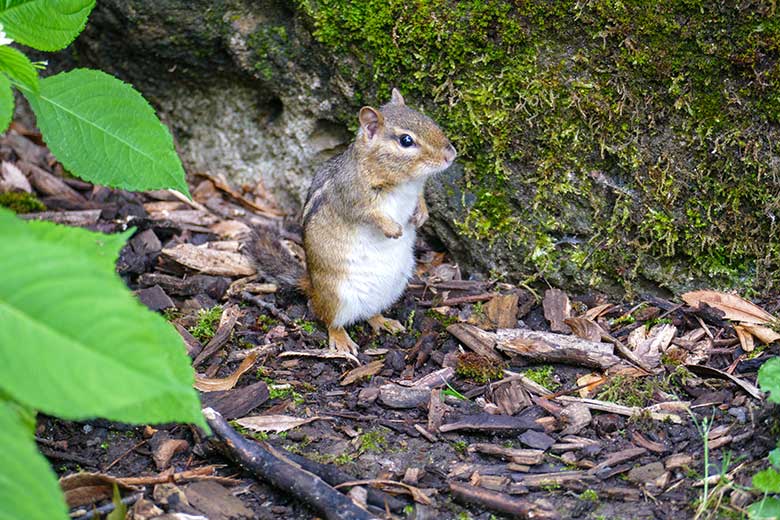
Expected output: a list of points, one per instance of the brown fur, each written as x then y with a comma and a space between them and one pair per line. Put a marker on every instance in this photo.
347, 190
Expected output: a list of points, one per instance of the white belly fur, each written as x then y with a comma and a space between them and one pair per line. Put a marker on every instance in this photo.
379, 267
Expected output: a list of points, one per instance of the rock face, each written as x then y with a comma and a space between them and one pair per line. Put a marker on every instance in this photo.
613, 145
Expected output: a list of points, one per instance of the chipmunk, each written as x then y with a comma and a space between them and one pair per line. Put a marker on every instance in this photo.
360, 219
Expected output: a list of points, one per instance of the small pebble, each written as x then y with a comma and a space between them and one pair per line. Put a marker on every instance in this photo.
739, 413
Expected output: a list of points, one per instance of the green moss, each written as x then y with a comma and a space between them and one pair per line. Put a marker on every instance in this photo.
644, 131
21, 202
478, 368
373, 441
208, 321
543, 375
631, 391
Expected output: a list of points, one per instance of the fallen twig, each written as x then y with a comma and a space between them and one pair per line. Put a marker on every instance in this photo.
284, 474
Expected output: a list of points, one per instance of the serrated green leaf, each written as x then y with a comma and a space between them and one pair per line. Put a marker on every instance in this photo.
74, 342
6, 103
769, 379
104, 131
765, 509
767, 481
28, 487
774, 457
18, 67
46, 25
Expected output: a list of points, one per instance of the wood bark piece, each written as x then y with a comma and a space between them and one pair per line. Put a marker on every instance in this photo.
487, 423
548, 347
557, 308
559, 478
654, 411
516, 507
210, 261
516, 455
476, 339
51, 185
12, 178
397, 396
237, 402
282, 473
78, 218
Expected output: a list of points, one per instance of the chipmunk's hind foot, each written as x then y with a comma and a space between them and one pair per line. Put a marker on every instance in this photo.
339, 340
380, 323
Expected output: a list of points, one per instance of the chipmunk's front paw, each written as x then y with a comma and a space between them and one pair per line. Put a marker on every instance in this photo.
420, 216
394, 230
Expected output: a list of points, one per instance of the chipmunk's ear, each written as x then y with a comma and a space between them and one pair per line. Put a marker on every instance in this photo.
371, 120
396, 98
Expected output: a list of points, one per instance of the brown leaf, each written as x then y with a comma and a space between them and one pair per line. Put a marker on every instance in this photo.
734, 307
165, 451
557, 307
207, 384
598, 311
745, 338
276, 423
764, 334
82, 489
361, 372
585, 328
589, 383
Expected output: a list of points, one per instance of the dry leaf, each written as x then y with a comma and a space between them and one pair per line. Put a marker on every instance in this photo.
598, 311
557, 307
12, 179
81, 489
276, 423
589, 383
745, 338
206, 384
734, 307
585, 328
764, 334
361, 372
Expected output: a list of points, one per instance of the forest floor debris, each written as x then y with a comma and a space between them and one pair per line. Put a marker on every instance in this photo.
494, 401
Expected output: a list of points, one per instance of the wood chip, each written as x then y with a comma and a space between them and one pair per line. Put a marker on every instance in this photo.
487, 423
557, 308
237, 402
516, 507
519, 456
585, 328
547, 347
362, 372
12, 178
210, 261
477, 340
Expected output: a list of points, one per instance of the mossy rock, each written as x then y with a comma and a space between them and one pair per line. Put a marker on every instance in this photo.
625, 146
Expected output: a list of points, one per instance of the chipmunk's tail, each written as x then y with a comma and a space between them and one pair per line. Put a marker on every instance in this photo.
276, 261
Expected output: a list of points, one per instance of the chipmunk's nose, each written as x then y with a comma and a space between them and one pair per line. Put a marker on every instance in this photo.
450, 153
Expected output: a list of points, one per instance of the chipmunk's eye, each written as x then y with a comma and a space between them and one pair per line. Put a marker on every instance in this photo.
406, 140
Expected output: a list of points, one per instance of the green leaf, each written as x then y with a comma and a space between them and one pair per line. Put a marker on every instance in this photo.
769, 379
46, 25
767, 481
28, 487
6, 103
74, 342
774, 457
765, 509
104, 131
18, 67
